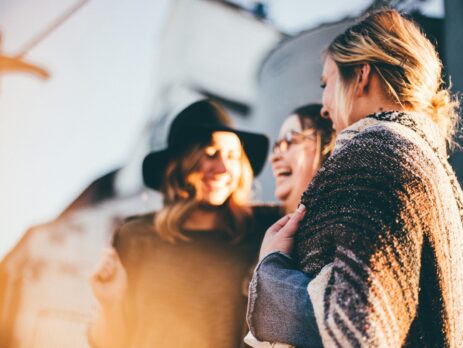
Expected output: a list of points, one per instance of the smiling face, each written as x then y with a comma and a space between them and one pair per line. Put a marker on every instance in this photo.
293, 167
219, 170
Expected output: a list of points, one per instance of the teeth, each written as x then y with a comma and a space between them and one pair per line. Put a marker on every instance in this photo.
284, 172
217, 183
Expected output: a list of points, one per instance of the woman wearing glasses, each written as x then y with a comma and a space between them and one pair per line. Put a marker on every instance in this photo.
305, 142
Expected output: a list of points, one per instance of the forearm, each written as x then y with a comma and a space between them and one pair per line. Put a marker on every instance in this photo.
279, 307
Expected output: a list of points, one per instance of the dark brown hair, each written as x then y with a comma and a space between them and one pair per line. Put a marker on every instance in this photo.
310, 118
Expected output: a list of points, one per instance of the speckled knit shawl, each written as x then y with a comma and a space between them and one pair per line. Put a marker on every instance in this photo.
383, 235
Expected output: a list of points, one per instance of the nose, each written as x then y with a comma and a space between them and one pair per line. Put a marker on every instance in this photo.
219, 165
324, 113
275, 156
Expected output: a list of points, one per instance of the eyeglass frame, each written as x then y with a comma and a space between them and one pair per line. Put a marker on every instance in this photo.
288, 139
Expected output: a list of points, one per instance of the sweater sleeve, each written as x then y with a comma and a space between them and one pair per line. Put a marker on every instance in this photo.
364, 223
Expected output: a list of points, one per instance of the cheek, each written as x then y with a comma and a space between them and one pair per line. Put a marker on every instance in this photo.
236, 173
292, 158
296, 158
300, 165
206, 167
329, 98
303, 163
195, 179
202, 166
325, 97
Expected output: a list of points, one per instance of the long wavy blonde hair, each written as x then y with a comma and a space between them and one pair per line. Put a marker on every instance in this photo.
404, 59
181, 198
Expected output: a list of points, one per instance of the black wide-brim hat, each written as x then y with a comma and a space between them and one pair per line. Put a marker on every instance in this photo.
192, 126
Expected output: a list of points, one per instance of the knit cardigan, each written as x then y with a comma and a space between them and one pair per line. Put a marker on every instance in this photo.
383, 236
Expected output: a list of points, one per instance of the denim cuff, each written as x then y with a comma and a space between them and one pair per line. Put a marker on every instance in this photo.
279, 307
279, 257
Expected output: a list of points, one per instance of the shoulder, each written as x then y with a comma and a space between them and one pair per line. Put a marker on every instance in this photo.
138, 221
377, 150
377, 162
375, 139
387, 139
134, 230
381, 169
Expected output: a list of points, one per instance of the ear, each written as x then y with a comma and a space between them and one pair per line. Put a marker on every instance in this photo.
363, 79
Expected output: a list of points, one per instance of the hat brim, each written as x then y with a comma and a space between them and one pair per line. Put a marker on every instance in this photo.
154, 166
255, 146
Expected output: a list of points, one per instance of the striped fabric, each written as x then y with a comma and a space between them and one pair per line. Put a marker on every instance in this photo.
384, 215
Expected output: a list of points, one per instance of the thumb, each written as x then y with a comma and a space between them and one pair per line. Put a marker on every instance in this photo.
291, 226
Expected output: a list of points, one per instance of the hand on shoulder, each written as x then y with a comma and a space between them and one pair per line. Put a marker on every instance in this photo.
280, 236
109, 281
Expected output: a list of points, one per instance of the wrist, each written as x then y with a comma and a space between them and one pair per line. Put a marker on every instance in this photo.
279, 257
264, 253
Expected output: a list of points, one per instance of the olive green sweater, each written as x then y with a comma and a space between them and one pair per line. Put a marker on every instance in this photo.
187, 294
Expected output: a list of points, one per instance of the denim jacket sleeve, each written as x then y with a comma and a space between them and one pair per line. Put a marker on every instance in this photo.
279, 307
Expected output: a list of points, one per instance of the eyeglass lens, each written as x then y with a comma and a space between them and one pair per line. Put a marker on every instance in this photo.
292, 137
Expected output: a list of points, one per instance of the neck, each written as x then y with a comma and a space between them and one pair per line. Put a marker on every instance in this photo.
374, 99
380, 106
387, 106
290, 206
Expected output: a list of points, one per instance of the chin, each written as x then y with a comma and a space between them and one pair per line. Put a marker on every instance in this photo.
216, 200
282, 194
216, 203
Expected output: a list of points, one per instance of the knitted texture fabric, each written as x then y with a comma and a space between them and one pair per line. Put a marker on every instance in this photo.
384, 227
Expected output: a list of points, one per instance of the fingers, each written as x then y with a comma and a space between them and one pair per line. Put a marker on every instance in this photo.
277, 226
107, 266
279, 237
290, 228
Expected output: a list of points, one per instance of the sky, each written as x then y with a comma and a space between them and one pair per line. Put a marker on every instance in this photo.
58, 135
293, 16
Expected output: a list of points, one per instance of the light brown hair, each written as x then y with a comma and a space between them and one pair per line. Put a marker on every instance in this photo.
181, 198
404, 59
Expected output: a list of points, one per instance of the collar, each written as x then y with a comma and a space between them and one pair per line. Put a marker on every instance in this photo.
422, 125
398, 121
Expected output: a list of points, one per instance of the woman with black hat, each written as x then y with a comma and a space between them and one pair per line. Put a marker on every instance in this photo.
175, 278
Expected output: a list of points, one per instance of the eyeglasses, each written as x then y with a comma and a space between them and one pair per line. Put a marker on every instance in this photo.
292, 137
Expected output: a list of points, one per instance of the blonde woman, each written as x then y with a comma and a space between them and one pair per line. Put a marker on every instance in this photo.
175, 278
381, 242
